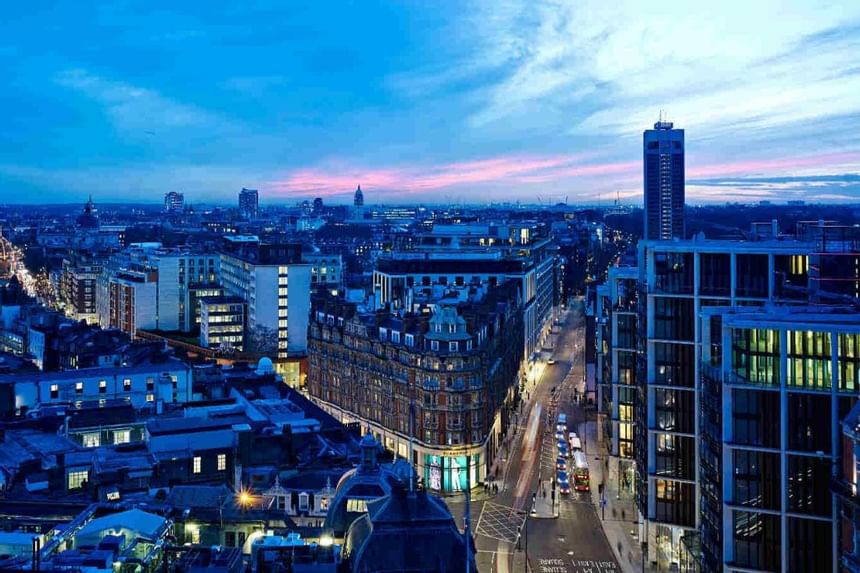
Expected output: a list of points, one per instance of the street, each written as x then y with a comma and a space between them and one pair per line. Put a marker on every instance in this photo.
505, 526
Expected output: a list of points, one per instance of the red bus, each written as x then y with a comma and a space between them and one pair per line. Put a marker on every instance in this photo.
580, 472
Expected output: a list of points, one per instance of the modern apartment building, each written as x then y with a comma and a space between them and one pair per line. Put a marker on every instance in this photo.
128, 300
617, 306
78, 290
438, 378
677, 280
776, 384
276, 284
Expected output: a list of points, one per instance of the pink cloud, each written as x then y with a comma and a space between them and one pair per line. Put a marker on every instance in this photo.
777, 166
338, 180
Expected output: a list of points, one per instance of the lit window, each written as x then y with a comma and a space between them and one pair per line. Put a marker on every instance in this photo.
92, 440
197, 464
55, 391
79, 387
102, 386
356, 505
122, 436
126, 384
77, 479
150, 397
222, 462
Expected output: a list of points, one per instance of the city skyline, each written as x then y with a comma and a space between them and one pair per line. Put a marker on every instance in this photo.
501, 101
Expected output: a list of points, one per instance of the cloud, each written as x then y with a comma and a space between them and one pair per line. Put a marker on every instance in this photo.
135, 109
717, 68
512, 170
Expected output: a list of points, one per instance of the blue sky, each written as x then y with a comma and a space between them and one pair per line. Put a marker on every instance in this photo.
416, 101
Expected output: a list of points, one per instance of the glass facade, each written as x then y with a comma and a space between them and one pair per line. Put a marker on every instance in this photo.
755, 355
752, 275
673, 272
809, 359
757, 543
449, 474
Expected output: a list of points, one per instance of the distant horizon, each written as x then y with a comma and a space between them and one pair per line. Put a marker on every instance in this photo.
600, 204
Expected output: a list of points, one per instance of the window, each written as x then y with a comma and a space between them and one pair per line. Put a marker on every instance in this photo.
79, 387
434, 345
453, 346
757, 540
303, 501
809, 359
197, 464
150, 397
222, 462
395, 337
92, 440
324, 501
230, 539
102, 386
126, 384
356, 505
755, 355
410, 340
55, 391
77, 479
121, 436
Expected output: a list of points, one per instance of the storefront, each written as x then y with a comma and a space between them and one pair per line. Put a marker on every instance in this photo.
450, 474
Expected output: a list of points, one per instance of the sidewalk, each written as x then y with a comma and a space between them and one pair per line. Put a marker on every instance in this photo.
619, 516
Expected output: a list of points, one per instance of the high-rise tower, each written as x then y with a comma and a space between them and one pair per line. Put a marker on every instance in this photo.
174, 202
663, 149
249, 203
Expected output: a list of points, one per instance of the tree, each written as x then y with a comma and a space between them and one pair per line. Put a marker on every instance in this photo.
262, 339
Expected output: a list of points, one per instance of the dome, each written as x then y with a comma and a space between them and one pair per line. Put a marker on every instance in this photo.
404, 471
360, 485
265, 366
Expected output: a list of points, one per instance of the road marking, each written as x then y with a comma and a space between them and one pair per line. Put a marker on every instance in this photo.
500, 522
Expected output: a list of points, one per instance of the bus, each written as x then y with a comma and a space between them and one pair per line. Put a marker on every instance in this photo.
575, 444
580, 472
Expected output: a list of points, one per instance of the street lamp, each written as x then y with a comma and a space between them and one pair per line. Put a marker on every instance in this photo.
244, 498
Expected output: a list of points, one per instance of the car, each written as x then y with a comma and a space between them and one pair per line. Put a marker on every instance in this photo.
562, 443
561, 464
559, 435
563, 451
564, 488
561, 477
551, 361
